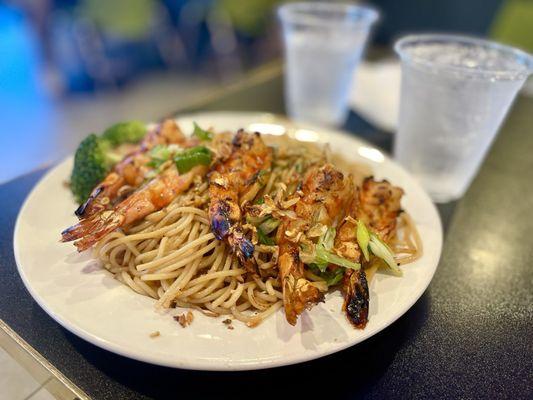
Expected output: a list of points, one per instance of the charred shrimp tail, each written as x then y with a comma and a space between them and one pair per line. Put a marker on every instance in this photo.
356, 297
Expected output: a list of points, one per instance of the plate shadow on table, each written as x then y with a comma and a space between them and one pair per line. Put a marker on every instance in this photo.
446, 211
361, 366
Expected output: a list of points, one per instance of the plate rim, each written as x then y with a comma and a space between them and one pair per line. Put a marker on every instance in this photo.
202, 364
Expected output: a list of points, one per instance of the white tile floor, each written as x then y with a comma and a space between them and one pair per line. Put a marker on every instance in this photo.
38, 129
51, 134
25, 375
41, 394
17, 384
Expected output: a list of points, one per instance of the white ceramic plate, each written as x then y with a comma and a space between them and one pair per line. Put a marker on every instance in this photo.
86, 300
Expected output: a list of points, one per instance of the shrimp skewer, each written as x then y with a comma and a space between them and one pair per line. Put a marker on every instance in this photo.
153, 196
377, 204
354, 283
230, 179
380, 205
131, 171
324, 192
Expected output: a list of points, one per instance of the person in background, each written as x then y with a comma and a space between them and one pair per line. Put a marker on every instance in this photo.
513, 24
86, 46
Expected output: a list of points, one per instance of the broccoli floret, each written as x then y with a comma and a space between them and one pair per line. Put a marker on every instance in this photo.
95, 156
125, 132
91, 165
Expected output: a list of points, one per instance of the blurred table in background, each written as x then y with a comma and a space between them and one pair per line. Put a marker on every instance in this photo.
71, 67
468, 336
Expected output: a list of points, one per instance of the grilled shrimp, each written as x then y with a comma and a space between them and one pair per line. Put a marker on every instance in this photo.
153, 196
324, 193
131, 171
232, 179
378, 205
354, 283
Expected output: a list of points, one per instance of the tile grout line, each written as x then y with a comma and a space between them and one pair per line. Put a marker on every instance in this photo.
39, 388
25, 347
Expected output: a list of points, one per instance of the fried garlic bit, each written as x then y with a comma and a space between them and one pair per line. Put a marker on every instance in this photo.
184, 319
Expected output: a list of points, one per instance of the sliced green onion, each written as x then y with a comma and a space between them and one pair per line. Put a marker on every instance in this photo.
332, 277
151, 174
159, 151
335, 277
269, 225
380, 249
264, 239
202, 134
158, 154
327, 239
192, 157
363, 238
307, 254
324, 257
255, 221
114, 157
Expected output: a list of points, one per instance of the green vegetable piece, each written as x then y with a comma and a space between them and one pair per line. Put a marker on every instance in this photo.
332, 277
159, 154
255, 221
324, 256
92, 162
363, 238
335, 277
94, 157
269, 225
327, 239
192, 157
124, 132
202, 134
380, 249
160, 151
264, 239
321, 264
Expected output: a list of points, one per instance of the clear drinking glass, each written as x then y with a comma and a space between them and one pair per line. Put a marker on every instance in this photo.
456, 91
323, 45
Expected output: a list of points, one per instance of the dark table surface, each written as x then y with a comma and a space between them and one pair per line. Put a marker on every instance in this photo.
469, 336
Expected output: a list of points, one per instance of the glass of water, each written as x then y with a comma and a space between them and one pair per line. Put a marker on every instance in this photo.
323, 45
456, 91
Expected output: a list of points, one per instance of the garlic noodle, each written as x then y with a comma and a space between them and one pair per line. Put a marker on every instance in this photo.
172, 256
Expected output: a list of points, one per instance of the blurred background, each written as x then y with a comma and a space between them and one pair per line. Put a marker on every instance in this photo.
70, 67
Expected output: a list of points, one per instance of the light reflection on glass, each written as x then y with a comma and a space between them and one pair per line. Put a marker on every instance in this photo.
306, 135
267, 129
371, 154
